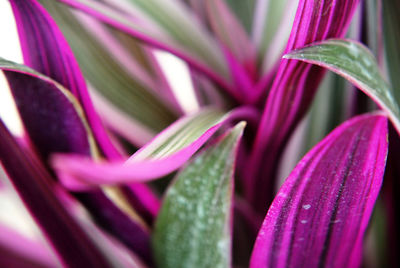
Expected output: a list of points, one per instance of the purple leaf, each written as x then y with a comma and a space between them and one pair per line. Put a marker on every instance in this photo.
292, 91
321, 212
46, 50
37, 189
54, 123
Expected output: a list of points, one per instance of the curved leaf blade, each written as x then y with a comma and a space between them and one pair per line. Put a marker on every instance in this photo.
37, 189
108, 76
51, 114
211, 66
46, 50
55, 123
354, 62
193, 227
165, 153
321, 212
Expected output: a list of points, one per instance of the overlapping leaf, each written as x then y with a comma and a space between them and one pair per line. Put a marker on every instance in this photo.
55, 123
167, 152
193, 227
50, 113
46, 51
108, 76
32, 180
166, 25
321, 212
354, 62
292, 91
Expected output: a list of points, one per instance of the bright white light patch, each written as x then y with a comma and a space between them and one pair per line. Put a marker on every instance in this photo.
10, 50
178, 77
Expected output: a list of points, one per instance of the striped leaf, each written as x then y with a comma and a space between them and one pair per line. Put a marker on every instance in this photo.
163, 24
193, 227
108, 76
164, 154
354, 62
320, 214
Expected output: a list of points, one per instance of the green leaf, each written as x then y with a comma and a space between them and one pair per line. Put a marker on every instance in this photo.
244, 11
391, 32
108, 76
193, 227
354, 62
174, 19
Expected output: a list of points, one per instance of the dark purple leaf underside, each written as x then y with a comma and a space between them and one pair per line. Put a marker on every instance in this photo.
36, 188
45, 50
292, 90
50, 119
321, 212
54, 125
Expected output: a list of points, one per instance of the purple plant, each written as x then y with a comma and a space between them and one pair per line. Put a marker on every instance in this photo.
87, 165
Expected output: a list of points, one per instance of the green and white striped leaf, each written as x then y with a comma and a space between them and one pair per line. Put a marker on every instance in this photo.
180, 135
167, 152
354, 62
108, 76
193, 227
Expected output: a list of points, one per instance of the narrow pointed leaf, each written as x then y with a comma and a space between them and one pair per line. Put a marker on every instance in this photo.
292, 91
55, 123
230, 32
46, 51
193, 227
108, 76
202, 55
354, 62
37, 189
164, 154
321, 212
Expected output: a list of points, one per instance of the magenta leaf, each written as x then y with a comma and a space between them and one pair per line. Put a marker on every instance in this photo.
321, 212
292, 91
165, 153
37, 189
46, 51
19, 251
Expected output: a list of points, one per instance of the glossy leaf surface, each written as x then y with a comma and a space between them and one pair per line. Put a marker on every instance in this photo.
193, 227
320, 214
354, 62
